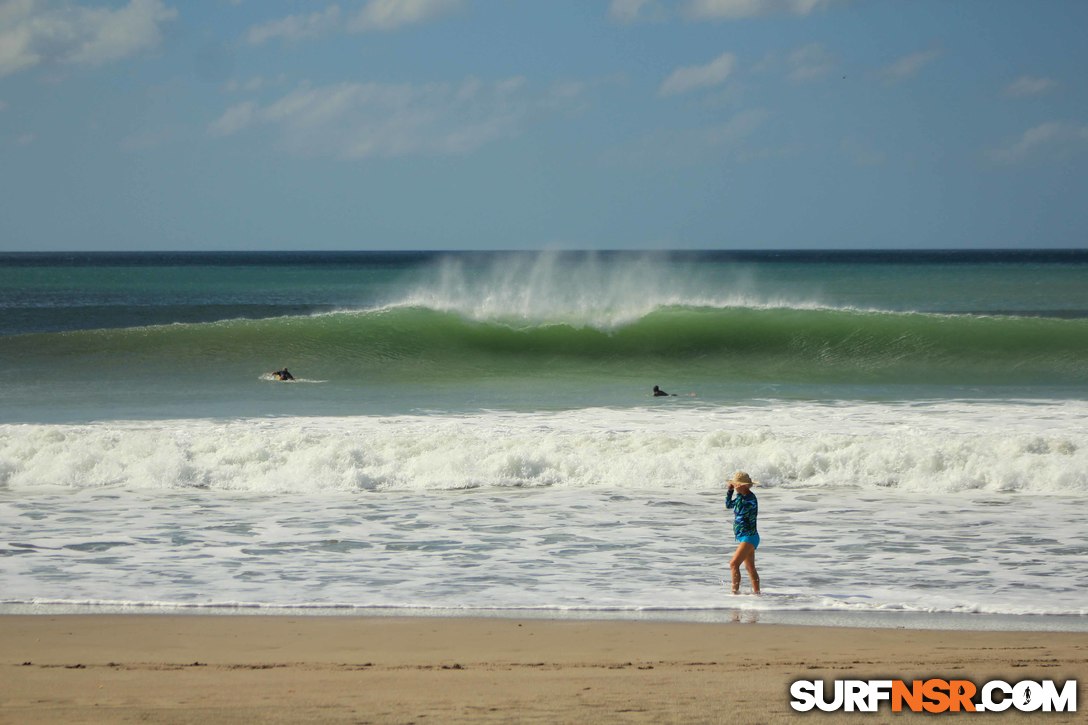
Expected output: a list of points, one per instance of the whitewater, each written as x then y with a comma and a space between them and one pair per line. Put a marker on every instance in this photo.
923, 448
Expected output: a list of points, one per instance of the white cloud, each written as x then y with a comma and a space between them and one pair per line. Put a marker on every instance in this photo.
690, 78
908, 66
1054, 139
392, 14
374, 16
740, 9
43, 32
631, 11
1025, 86
365, 120
234, 119
296, 27
810, 63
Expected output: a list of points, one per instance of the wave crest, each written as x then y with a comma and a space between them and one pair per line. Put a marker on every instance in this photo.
581, 290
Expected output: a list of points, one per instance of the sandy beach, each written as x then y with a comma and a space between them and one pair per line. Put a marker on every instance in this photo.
207, 669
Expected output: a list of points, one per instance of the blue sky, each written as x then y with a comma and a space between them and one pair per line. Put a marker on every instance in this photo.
509, 124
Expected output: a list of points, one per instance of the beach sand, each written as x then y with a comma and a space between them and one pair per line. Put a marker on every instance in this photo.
284, 669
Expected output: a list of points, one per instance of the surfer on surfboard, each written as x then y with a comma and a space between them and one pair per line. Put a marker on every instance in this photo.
283, 375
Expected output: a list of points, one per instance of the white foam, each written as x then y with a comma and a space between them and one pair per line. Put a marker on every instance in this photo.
940, 447
548, 550
271, 378
946, 507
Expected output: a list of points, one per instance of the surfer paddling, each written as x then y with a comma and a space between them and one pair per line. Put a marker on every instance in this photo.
745, 508
658, 393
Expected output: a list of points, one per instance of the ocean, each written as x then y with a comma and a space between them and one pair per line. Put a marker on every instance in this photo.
474, 434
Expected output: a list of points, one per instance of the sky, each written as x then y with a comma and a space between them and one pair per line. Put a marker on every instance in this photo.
145, 125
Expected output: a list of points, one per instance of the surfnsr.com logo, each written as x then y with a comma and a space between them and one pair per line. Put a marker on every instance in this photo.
934, 695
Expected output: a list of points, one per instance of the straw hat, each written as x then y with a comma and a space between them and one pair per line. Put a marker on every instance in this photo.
740, 478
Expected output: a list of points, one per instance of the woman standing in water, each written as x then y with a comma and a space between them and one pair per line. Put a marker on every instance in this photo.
745, 510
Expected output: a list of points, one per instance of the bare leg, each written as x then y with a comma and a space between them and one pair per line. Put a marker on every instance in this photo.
753, 575
740, 556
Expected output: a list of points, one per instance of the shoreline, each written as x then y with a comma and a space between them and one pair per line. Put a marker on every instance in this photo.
179, 668
836, 619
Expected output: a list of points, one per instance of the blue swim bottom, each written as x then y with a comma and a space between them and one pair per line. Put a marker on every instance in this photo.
752, 539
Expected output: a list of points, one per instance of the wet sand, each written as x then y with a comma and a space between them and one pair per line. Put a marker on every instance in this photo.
282, 669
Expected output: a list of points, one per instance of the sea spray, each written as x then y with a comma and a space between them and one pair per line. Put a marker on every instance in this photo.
583, 289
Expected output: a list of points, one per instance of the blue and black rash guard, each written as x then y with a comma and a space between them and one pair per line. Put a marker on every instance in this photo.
745, 509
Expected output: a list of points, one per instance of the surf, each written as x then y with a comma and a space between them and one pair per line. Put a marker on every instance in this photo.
950, 448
